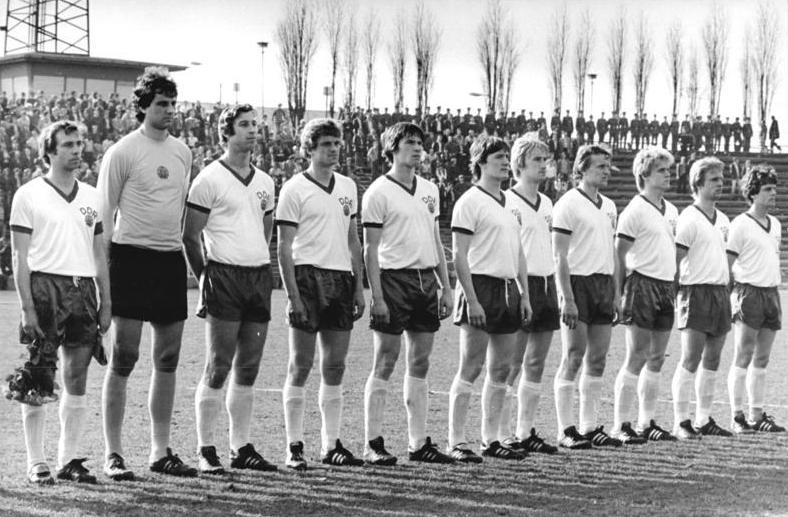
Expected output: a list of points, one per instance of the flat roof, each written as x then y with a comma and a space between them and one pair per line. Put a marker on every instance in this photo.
54, 58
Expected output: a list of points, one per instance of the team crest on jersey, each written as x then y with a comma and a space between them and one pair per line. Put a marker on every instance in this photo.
549, 220
612, 218
347, 205
673, 223
518, 216
90, 215
162, 172
264, 197
724, 231
430, 202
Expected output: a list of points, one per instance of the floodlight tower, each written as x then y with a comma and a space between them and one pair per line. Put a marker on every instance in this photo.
50, 26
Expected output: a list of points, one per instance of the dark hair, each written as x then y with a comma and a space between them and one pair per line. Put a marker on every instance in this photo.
47, 142
392, 136
227, 120
583, 158
316, 128
755, 178
155, 79
481, 148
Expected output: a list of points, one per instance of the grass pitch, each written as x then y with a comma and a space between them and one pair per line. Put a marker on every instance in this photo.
716, 476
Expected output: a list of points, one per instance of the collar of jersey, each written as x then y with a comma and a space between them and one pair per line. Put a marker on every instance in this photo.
661, 209
501, 201
597, 204
534, 206
329, 189
712, 220
767, 228
247, 180
411, 190
68, 197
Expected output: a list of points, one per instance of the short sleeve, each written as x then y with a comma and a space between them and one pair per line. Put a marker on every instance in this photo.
373, 209
21, 219
685, 232
563, 217
627, 225
736, 238
201, 194
269, 189
288, 210
463, 217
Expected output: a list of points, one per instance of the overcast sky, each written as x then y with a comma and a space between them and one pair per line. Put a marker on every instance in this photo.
222, 37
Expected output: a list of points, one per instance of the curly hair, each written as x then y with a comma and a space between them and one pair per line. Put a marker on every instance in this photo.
755, 178
316, 128
155, 79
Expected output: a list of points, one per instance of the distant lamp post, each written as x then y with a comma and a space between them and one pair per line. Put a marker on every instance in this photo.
327, 95
591, 96
263, 45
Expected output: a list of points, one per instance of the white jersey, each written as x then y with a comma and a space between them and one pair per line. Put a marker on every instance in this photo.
234, 233
406, 217
143, 184
535, 221
651, 230
704, 240
757, 251
322, 216
61, 226
591, 225
495, 242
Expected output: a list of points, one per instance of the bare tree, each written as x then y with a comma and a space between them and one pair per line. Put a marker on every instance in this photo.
745, 69
644, 62
582, 57
764, 56
715, 45
674, 53
296, 35
370, 41
350, 58
398, 58
693, 84
498, 51
426, 38
333, 15
557, 43
615, 57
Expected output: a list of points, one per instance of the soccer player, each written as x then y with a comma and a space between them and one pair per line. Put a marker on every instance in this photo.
320, 262
231, 205
404, 258
754, 251
646, 256
584, 222
490, 306
704, 310
58, 262
534, 213
143, 183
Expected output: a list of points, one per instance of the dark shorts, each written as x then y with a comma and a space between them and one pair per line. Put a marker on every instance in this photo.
236, 293
412, 298
327, 296
500, 299
147, 285
756, 307
705, 308
595, 298
66, 308
649, 302
544, 305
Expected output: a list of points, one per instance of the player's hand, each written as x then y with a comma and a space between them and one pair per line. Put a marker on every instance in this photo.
104, 318
618, 314
525, 310
445, 304
476, 316
379, 311
358, 304
296, 312
30, 324
569, 313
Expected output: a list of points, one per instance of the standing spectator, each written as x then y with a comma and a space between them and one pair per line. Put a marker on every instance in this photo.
746, 132
774, 134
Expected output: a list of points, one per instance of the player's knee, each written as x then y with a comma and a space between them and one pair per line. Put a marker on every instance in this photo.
534, 371
123, 361
573, 363
167, 361
333, 373
655, 363
75, 379
419, 366
216, 375
499, 373
514, 371
298, 371
384, 367
760, 360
